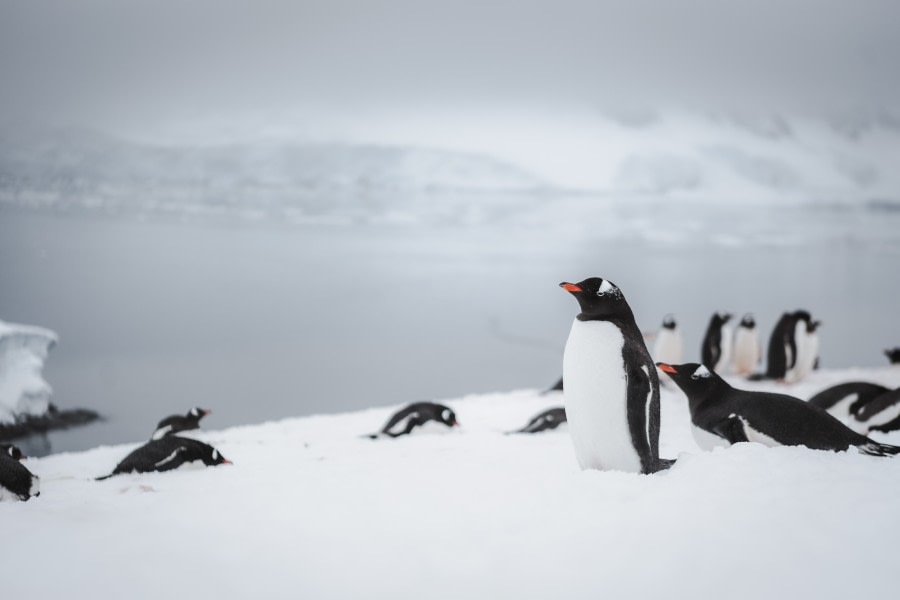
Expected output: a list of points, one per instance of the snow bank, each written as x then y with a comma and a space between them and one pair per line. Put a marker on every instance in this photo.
23, 391
311, 510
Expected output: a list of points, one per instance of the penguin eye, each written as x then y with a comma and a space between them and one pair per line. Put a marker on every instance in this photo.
605, 288
701, 373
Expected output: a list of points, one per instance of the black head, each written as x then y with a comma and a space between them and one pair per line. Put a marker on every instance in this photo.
447, 416
694, 379
598, 298
669, 322
893, 355
12, 452
811, 326
748, 321
802, 315
198, 413
215, 458
721, 318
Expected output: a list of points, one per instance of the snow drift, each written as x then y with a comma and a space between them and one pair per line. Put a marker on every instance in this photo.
311, 510
23, 391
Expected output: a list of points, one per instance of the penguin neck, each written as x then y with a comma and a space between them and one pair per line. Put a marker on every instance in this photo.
624, 321
711, 395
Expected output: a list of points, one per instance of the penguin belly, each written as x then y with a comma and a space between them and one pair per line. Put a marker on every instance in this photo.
806, 358
724, 350
596, 397
746, 351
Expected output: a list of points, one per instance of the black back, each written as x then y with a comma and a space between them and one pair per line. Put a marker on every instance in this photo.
871, 410
549, 419
417, 414
866, 392
711, 350
893, 355
782, 352
167, 453
602, 300
176, 423
14, 476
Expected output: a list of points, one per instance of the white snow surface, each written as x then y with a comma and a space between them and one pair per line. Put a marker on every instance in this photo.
23, 350
311, 510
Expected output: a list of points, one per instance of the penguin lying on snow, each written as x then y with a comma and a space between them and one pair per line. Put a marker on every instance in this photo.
176, 423
416, 415
716, 348
612, 389
549, 419
771, 419
881, 414
846, 399
16, 481
167, 453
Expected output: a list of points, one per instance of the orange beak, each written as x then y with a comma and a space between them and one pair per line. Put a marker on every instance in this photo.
666, 368
570, 287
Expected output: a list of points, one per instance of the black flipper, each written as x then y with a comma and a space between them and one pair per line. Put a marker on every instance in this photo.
731, 429
873, 448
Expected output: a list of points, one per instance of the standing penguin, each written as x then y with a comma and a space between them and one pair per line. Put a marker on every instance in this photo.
783, 347
746, 352
612, 390
668, 347
717, 343
807, 341
771, 419
16, 481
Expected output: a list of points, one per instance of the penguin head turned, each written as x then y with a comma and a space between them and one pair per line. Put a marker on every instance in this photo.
215, 458
198, 413
598, 297
721, 318
13, 452
447, 417
669, 322
811, 326
748, 321
694, 379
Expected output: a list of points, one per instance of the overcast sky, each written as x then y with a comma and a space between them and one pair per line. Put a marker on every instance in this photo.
144, 61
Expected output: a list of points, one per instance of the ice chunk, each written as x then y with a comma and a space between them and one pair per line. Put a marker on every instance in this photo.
23, 350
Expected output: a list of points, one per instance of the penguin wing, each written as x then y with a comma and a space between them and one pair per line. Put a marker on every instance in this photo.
172, 461
730, 429
639, 399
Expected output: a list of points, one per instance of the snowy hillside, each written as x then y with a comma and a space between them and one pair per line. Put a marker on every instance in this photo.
311, 510
23, 350
410, 170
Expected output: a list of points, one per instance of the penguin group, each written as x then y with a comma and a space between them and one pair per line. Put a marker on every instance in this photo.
165, 451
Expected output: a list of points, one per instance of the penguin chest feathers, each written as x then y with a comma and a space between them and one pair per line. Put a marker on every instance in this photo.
596, 397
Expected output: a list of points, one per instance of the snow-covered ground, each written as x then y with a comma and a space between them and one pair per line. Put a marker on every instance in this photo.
23, 350
311, 510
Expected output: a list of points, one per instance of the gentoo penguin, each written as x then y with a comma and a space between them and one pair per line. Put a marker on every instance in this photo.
782, 354
881, 414
612, 390
415, 415
176, 423
807, 341
746, 351
716, 348
549, 419
893, 355
846, 399
668, 347
16, 481
167, 453
771, 419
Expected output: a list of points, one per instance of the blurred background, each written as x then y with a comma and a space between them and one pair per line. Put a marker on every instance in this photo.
280, 208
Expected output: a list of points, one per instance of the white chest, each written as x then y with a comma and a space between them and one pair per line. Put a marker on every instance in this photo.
596, 397
746, 350
668, 347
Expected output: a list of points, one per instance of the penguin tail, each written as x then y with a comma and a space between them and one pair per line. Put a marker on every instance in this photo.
873, 448
663, 464
370, 436
104, 477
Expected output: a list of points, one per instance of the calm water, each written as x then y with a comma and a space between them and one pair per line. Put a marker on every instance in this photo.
261, 320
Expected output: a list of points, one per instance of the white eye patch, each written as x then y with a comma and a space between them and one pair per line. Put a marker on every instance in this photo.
605, 288
701, 372
215, 454
445, 415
